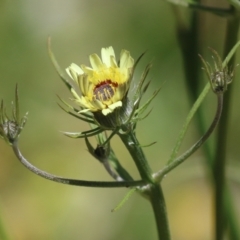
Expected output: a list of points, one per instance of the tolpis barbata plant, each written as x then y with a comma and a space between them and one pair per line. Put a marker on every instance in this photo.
100, 97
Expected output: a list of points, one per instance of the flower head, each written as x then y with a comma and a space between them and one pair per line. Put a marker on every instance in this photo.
220, 76
103, 86
11, 127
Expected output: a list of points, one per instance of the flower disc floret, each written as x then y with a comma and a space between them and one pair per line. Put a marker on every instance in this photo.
104, 85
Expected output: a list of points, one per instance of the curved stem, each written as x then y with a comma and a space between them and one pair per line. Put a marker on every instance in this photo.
159, 175
189, 118
68, 181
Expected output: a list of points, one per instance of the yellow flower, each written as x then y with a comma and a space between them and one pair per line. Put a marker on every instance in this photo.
104, 86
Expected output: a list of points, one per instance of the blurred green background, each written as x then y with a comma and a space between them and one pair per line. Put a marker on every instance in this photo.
34, 208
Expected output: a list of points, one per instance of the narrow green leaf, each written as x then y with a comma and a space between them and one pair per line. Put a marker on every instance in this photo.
75, 115
231, 53
187, 122
128, 195
61, 73
144, 107
83, 134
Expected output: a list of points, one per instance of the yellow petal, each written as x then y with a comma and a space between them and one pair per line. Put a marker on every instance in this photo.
89, 71
84, 110
75, 94
96, 62
126, 61
84, 84
107, 54
111, 107
115, 105
76, 68
97, 104
73, 71
106, 111
85, 103
113, 62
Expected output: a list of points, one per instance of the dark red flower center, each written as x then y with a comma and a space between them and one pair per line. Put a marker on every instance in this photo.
104, 90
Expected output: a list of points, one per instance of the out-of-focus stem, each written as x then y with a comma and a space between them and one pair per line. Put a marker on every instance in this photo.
220, 157
189, 45
188, 38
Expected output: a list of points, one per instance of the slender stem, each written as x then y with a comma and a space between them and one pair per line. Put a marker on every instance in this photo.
230, 212
224, 12
159, 175
68, 181
152, 190
186, 44
130, 141
220, 158
159, 208
188, 39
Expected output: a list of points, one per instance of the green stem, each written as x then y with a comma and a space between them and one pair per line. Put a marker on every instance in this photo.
231, 215
159, 208
152, 190
74, 182
220, 158
188, 39
187, 44
131, 143
224, 12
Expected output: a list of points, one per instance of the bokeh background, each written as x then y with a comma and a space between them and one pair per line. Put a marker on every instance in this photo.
35, 208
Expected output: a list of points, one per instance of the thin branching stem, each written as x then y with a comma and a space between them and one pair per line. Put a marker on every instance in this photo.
68, 181
159, 175
189, 118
